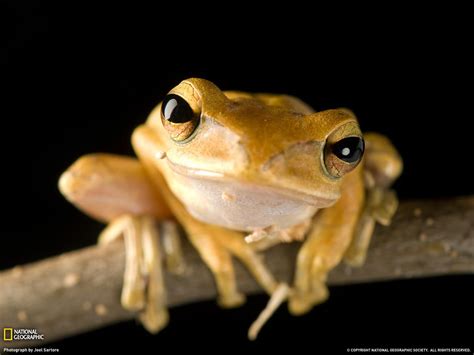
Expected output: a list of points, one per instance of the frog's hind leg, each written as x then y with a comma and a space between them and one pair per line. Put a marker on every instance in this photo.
106, 186
116, 190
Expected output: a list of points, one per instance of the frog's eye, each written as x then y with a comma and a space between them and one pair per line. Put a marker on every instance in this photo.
342, 156
178, 117
349, 149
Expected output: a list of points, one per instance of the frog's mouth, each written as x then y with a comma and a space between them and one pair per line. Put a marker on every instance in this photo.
215, 198
312, 199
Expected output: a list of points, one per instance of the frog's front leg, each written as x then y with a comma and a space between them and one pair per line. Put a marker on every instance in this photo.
332, 231
116, 190
142, 261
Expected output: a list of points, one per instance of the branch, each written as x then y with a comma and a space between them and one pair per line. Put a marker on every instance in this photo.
80, 290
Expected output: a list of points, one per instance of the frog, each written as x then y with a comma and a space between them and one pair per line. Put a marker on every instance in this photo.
239, 172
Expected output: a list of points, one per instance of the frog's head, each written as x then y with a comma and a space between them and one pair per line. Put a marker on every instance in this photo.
252, 161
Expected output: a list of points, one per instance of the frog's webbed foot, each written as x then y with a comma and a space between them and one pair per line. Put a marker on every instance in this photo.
380, 207
143, 284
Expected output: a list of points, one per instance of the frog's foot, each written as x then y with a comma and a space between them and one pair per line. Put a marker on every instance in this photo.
143, 285
217, 246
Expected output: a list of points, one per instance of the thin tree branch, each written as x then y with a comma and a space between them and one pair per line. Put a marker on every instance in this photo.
80, 290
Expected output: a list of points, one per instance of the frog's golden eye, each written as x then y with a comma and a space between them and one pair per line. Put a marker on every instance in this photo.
178, 117
343, 156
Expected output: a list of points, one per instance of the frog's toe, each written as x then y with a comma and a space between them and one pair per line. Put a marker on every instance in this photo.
153, 322
299, 304
133, 297
233, 300
155, 315
302, 302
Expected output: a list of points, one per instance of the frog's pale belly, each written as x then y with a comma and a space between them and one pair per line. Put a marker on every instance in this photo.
239, 205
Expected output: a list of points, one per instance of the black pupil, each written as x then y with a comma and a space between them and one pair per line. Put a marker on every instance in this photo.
175, 109
349, 149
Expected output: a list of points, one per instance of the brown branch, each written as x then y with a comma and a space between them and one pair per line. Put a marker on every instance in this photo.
80, 290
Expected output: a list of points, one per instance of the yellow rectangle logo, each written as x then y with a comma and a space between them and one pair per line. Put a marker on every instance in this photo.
7, 334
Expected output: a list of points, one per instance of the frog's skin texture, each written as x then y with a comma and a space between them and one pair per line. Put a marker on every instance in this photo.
239, 172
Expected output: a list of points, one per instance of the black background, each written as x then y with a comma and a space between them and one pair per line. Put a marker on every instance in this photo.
90, 75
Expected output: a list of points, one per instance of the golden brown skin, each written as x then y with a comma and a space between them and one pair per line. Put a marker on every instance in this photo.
255, 165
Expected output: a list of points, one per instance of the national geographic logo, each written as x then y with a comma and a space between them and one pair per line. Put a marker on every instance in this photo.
7, 334
11, 334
